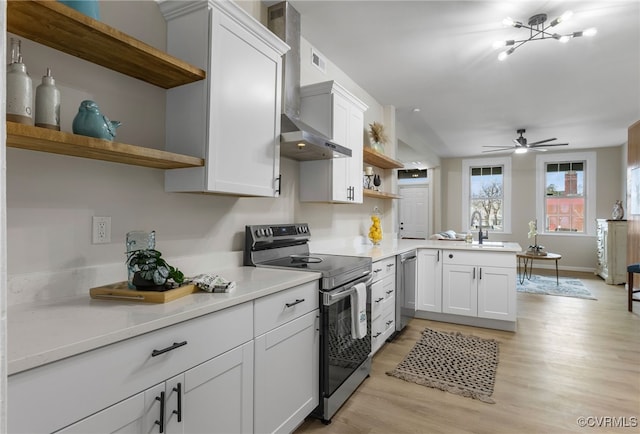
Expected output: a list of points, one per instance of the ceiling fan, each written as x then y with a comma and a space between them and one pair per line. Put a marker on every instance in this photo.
521, 145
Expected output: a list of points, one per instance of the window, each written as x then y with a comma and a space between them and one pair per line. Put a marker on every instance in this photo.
486, 189
566, 193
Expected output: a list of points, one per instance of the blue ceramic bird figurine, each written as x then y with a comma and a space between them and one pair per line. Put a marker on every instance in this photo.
90, 122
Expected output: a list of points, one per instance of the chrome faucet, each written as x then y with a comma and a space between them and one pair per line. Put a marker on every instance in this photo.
481, 236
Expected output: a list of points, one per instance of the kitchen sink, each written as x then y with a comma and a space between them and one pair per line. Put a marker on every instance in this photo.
488, 245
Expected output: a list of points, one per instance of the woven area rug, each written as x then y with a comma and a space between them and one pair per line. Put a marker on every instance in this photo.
568, 287
453, 362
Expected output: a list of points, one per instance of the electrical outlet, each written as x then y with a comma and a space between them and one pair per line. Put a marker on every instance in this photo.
101, 230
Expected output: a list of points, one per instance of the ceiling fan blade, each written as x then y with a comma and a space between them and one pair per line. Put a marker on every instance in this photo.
549, 144
517, 142
503, 147
498, 150
542, 141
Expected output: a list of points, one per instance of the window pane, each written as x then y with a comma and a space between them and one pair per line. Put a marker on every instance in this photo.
487, 195
565, 201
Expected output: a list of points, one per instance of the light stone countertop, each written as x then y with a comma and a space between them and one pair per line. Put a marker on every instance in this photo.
388, 248
47, 331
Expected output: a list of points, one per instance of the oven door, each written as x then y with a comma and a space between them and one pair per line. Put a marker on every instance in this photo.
340, 353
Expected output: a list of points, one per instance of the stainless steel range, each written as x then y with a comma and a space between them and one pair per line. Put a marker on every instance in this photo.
345, 361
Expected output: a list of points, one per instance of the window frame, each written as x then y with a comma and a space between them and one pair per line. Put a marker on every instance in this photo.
589, 190
467, 164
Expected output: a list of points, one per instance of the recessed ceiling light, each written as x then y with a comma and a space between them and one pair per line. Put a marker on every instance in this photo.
416, 109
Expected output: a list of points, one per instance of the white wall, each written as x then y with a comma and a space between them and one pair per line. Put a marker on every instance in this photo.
51, 199
578, 252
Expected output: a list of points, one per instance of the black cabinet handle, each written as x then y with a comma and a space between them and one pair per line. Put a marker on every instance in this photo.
165, 350
379, 300
161, 421
389, 322
438, 256
298, 301
279, 189
178, 411
377, 334
450, 255
480, 269
474, 272
389, 291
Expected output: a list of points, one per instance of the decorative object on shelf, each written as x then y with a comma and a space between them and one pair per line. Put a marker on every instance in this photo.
88, 7
377, 182
48, 103
375, 231
618, 211
535, 249
378, 136
151, 271
19, 88
90, 122
368, 178
538, 31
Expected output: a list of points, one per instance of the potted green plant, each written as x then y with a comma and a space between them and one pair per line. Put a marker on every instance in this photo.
152, 272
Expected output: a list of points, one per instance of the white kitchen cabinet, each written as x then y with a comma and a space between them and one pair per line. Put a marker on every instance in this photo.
97, 382
479, 285
429, 280
612, 251
287, 359
336, 113
231, 119
383, 302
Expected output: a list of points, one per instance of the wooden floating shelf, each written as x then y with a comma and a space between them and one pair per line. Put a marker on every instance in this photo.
380, 160
58, 26
57, 142
379, 194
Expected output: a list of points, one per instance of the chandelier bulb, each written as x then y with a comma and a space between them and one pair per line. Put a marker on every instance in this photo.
590, 31
565, 38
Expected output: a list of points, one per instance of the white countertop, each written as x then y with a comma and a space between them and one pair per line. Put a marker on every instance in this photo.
43, 332
388, 248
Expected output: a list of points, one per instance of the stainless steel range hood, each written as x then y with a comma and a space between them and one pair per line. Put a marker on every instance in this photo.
297, 139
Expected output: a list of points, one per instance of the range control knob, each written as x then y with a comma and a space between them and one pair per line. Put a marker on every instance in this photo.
269, 232
257, 233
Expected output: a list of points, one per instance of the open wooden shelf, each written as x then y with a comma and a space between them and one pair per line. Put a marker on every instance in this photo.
57, 142
379, 194
58, 26
380, 160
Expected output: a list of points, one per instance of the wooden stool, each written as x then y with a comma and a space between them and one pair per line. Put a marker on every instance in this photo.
631, 269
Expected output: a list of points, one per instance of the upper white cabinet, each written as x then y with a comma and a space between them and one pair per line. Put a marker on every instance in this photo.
612, 250
231, 119
335, 112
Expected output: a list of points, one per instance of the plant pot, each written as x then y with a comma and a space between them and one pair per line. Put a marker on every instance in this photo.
142, 284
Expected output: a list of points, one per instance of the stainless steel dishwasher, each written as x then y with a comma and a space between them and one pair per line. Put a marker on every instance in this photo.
405, 288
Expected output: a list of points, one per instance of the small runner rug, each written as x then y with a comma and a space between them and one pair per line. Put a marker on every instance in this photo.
547, 285
453, 362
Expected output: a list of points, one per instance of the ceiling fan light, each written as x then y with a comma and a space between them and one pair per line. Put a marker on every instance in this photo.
503, 55
565, 38
591, 31
508, 22
562, 18
521, 150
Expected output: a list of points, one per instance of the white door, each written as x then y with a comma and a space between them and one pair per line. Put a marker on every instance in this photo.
414, 211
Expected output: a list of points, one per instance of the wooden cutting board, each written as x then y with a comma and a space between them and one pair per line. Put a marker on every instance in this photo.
120, 291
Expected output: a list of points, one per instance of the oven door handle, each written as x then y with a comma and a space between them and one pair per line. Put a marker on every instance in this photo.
347, 292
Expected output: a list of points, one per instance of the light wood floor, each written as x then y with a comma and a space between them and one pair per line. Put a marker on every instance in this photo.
569, 358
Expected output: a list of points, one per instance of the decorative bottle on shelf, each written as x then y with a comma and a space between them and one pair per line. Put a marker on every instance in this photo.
375, 231
48, 103
19, 88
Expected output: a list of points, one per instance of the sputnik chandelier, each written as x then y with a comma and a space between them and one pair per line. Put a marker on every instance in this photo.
539, 31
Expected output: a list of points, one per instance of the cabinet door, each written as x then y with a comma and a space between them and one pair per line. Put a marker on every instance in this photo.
287, 374
341, 179
459, 290
218, 394
429, 283
244, 104
136, 414
354, 169
497, 293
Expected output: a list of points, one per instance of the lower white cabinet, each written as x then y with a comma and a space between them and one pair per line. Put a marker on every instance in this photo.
287, 346
213, 397
383, 302
429, 280
253, 367
480, 284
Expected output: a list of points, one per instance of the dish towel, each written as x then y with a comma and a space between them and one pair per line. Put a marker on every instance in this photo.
359, 311
213, 283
